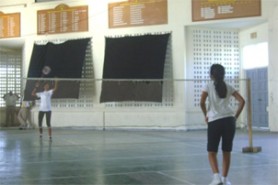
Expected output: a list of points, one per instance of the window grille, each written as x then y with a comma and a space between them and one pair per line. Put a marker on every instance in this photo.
209, 46
10, 73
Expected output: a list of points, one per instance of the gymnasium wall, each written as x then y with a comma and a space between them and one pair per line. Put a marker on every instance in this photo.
127, 115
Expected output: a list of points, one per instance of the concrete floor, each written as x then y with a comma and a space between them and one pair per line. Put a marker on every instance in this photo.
79, 156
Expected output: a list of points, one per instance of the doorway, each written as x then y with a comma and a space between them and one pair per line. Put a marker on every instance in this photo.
255, 64
259, 96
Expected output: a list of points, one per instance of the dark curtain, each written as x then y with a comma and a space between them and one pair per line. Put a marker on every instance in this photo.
62, 61
137, 57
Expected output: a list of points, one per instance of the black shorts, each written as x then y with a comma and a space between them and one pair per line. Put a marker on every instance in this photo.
48, 117
221, 129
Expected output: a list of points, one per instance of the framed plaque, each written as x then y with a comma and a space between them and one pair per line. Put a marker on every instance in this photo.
203, 10
9, 25
62, 19
138, 13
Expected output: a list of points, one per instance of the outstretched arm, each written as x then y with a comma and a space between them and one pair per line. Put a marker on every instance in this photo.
17, 96
35, 89
241, 101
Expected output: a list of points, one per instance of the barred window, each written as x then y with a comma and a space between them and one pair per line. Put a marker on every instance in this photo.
10, 73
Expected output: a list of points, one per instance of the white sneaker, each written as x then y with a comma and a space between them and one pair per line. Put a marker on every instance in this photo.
226, 181
216, 180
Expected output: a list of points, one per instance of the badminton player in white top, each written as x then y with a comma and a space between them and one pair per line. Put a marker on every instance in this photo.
45, 105
221, 120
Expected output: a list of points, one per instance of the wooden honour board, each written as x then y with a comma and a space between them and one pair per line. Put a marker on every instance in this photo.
9, 25
137, 13
224, 9
62, 19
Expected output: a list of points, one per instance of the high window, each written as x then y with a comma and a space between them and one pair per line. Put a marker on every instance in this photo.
10, 73
255, 56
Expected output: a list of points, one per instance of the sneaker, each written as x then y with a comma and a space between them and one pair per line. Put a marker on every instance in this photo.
216, 180
226, 181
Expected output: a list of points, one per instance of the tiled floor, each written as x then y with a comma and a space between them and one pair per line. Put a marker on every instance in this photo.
83, 156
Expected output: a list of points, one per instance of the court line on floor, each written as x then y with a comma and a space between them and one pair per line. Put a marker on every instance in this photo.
178, 179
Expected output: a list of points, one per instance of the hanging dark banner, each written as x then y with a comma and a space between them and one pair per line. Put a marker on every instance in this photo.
134, 57
58, 61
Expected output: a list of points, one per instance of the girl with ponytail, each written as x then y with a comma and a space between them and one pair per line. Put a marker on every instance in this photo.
217, 72
221, 121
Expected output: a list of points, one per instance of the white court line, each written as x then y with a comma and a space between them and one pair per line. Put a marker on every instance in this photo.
178, 179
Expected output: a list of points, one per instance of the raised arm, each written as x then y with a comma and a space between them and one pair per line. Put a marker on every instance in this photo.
37, 85
55, 85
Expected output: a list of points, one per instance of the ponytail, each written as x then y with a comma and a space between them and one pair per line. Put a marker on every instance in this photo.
221, 89
217, 71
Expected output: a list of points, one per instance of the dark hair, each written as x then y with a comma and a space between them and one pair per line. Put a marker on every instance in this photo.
217, 71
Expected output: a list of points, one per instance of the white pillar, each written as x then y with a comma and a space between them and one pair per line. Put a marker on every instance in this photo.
273, 68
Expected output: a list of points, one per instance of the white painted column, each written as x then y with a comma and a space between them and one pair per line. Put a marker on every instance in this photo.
273, 69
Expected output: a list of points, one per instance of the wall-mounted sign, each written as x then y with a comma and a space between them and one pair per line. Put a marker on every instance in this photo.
9, 25
62, 19
137, 13
224, 9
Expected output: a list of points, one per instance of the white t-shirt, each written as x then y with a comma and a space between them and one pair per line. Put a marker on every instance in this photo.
10, 99
218, 107
45, 103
